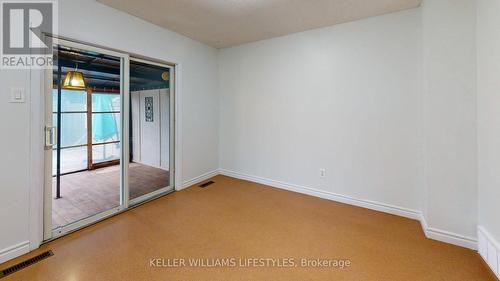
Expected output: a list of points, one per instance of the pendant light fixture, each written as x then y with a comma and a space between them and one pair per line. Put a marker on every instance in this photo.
74, 80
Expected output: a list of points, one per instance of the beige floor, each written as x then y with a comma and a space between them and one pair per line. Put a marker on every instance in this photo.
91, 192
239, 219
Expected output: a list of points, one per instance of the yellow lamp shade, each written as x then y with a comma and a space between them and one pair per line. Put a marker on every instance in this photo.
74, 81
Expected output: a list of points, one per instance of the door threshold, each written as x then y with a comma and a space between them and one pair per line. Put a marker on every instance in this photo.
81, 224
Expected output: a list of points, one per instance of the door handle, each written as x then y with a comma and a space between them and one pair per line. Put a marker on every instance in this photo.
50, 137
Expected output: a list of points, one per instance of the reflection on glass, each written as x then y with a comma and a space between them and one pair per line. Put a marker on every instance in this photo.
71, 100
105, 102
105, 152
105, 127
72, 159
89, 178
150, 130
73, 129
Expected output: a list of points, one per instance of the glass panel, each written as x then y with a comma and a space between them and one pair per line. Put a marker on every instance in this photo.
54, 101
86, 192
71, 100
54, 119
105, 127
149, 130
73, 129
105, 152
105, 102
72, 159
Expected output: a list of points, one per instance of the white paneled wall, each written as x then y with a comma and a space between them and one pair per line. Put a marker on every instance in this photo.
489, 249
150, 138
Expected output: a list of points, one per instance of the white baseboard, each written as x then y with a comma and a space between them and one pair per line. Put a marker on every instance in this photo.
447, 236
386, 208
14, 251
198, 179
441, 235
432, 233
489, 249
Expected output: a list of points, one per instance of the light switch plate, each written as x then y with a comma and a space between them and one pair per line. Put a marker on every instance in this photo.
17, 95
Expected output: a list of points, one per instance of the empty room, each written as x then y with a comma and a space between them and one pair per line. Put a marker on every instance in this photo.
250, 140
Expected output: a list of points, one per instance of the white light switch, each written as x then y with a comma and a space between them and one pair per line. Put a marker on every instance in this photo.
17, 95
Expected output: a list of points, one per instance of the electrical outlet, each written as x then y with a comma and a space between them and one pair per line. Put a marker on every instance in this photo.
322, 173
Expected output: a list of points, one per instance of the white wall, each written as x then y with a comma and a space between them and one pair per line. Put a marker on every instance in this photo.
14, 173
151, 140
391, 115
89, 21
450, 116
149, 131
345, 98
283, 113
488, 86
199, 70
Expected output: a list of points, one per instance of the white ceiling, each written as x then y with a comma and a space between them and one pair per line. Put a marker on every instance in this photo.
226, 23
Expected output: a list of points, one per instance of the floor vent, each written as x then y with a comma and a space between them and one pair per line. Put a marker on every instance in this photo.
206, 184
25, 263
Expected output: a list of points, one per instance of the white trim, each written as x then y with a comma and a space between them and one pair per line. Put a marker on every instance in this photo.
377, 206
64, 230
199, 179
151, 195
92, 48
482, 230
125, 130
489, 249
14, 251
178, 98
150, 62
46, 197
448, 236
36, 158
36, 169
430, 232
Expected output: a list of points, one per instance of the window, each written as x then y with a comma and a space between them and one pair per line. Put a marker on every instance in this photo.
73, 130
105, 127
78, 151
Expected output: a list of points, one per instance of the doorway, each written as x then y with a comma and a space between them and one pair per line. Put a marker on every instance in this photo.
109, 135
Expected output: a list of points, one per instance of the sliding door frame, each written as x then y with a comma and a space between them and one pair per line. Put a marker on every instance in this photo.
39, 87
49, 232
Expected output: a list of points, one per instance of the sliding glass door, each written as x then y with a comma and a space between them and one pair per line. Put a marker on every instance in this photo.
151, 111
88, 102
109, 142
